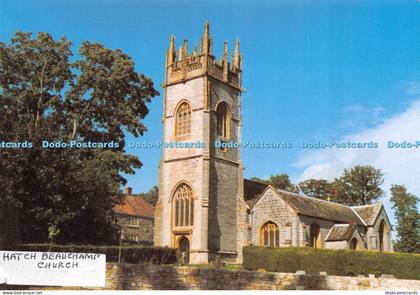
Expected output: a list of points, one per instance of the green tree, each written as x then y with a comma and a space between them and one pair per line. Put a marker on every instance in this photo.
359, 185
408, 219
47, 94
278, 181
151, 196
316, 188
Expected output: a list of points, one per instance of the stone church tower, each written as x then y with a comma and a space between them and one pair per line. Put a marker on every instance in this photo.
200, 187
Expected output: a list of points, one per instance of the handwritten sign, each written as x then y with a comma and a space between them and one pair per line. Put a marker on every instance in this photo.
52, 269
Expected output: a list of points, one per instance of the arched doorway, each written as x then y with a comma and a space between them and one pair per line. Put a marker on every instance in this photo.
353, 244
315, 237
382, 236
184, 249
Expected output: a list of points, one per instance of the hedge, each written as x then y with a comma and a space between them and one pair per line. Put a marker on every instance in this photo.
334, 262
129, 254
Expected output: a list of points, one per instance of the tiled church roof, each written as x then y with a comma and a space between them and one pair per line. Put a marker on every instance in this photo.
368, 212
135, 206
319, 208
340, 232
303, 204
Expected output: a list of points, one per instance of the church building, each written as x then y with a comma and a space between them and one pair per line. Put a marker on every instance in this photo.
206, 209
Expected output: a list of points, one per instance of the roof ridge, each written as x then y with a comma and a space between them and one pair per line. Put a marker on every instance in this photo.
312, 198
366, 205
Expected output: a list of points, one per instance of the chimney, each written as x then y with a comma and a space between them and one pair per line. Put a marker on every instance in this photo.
128, 190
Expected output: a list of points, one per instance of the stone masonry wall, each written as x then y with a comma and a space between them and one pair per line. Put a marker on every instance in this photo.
223, 174
222, 206
182, 165
166, 277
144, 230
374, 232
160, 277
324, 225
244, 229
336, 245
271, 207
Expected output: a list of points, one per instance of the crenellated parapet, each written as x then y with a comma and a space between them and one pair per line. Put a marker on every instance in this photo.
183, 65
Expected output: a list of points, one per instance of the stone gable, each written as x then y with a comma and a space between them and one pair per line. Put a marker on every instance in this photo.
270, 207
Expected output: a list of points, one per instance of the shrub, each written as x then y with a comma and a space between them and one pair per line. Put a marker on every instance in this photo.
129, 254
334, 262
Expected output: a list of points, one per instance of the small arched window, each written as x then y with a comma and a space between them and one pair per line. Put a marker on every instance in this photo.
223, 120
270, 235
183, 120
183, 206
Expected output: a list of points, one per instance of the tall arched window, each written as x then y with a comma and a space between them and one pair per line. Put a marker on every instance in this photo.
270, 235
315, 236
183, 206
223, 120
183, 120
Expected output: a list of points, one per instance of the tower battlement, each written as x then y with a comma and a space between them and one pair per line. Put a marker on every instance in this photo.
183, 65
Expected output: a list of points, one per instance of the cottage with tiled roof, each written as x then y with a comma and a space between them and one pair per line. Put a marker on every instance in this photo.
135, 217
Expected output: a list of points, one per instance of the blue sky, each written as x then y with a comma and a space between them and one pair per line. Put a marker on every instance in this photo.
313, 70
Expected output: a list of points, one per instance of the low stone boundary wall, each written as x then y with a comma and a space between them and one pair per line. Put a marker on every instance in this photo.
166, 277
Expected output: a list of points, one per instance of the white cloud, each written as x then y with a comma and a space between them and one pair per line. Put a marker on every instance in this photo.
401, 166
358, 117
